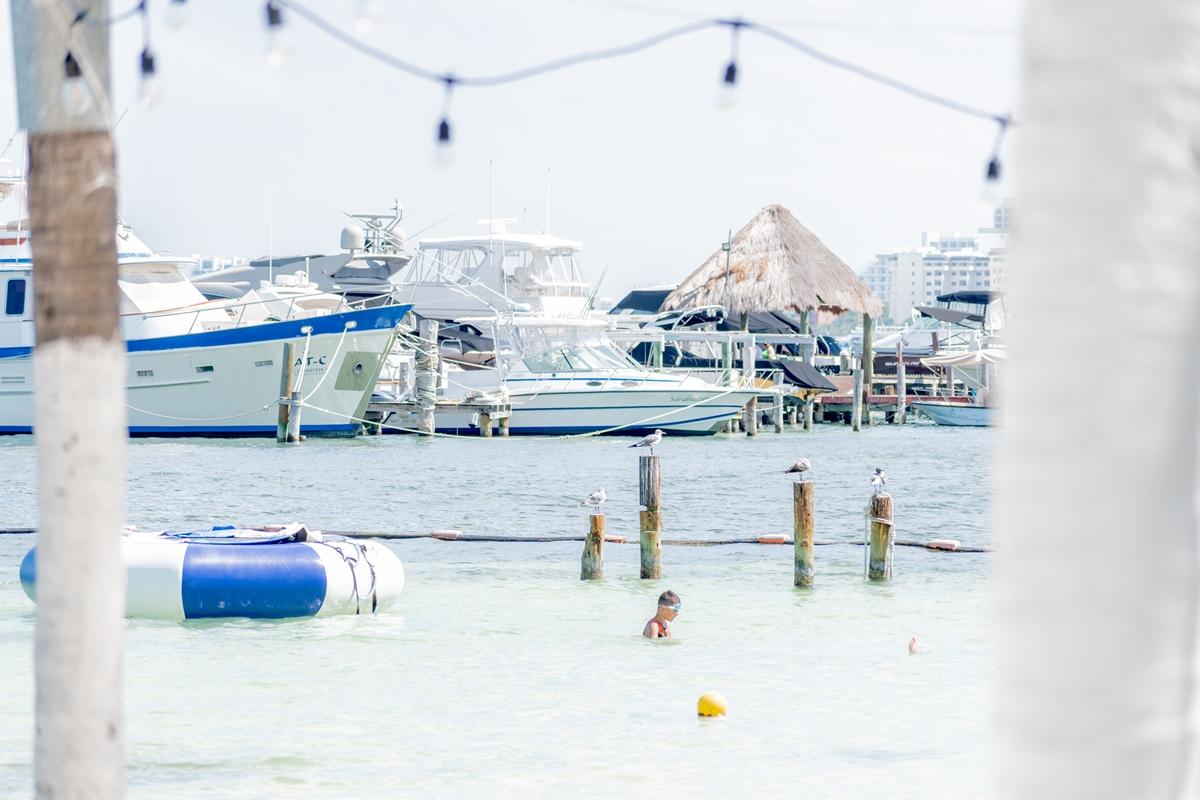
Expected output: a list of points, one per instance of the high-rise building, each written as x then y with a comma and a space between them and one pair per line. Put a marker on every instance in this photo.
905, 277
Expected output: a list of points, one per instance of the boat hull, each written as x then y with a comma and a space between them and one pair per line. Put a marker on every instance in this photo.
628, 412
227, 383
958, 414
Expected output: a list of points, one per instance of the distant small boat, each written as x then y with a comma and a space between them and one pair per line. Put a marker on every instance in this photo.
967, 415
275, 573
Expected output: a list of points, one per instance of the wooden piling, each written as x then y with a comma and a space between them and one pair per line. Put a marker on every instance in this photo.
868, 364
592, 566
285, 391
650, 518
856, 404
794, 415
485, 425
750, 417
427, 377
879, 563
802, 530
901, 385
503, 424
777, 414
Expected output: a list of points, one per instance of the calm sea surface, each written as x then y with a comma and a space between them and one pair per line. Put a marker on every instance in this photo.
500, 674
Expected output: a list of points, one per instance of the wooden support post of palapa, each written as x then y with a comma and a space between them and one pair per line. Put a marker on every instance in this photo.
868, 366
879, 557
802, 530
592, 566
650, 518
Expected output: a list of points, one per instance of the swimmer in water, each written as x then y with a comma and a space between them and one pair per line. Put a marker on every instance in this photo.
659, 626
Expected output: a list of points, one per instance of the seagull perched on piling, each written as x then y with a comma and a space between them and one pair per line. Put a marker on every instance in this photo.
595, 499
878, 480
799, 469
650, 440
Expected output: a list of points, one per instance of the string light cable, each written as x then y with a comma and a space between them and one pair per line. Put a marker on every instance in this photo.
449, 81
734, 25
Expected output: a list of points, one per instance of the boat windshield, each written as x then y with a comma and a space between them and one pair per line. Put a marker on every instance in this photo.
565, 349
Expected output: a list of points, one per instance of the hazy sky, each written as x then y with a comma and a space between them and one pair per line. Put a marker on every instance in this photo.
647, 171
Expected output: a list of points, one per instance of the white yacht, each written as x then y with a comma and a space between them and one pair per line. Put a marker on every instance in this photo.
197, 367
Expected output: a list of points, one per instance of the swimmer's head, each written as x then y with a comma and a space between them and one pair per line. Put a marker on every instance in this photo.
669, 605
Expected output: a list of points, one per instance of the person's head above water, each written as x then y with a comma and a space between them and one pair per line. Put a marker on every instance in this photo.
669, 605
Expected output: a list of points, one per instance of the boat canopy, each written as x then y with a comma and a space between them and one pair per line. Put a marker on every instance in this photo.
969, 358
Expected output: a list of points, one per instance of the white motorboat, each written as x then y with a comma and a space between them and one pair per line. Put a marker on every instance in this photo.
974, 411
196, 367
564, 376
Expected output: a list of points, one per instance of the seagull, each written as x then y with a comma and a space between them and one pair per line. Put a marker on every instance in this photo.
878, 480
799, 469
595, 499
650, 441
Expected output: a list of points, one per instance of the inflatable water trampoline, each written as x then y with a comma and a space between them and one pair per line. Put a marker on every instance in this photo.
273, 573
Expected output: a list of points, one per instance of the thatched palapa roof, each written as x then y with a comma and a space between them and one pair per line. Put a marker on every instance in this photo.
775, 264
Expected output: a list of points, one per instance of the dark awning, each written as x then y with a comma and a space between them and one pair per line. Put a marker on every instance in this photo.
641, 301
977, 297
803, 375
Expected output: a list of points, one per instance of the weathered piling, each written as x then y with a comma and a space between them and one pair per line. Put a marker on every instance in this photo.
285, 391
856, 403
503, 424
427, 377
592, 567
794, 415
777, 413
294, 404
802, 530
485, 424
750, 417
901, 385
650, 518
879, 557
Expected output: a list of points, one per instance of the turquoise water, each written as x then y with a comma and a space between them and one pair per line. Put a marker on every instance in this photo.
500, 674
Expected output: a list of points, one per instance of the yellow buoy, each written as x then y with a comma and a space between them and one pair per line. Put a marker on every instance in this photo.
711, 704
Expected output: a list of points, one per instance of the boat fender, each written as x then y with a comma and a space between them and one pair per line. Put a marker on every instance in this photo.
943, 544
772, 538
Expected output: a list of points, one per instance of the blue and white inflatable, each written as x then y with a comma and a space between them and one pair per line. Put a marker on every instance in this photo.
230, 572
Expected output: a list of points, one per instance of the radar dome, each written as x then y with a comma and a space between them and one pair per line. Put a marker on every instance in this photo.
353, 238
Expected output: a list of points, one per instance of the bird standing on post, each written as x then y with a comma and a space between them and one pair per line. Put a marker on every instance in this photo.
878, 480
649, 441
595, 499
799, 469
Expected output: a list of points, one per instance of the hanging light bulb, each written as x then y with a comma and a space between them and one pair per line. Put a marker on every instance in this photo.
369, 12
991, 175
149, 90
276, 35
177, 14
443, 155
727, 93
76, 96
